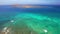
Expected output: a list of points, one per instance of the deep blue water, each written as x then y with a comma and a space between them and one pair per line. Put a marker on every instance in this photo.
7, 12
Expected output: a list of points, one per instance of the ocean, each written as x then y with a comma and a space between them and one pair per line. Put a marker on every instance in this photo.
7, 13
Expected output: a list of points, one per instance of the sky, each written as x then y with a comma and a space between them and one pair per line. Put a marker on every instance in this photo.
8, 2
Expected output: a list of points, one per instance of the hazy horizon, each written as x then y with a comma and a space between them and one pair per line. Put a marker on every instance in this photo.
41, 2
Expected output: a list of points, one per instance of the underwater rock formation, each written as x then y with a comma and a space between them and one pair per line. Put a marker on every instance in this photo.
29, 23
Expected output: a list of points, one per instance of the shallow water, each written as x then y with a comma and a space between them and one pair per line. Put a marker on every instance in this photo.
39, 19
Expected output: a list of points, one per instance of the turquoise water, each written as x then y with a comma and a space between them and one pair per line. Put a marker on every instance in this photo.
40, 20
